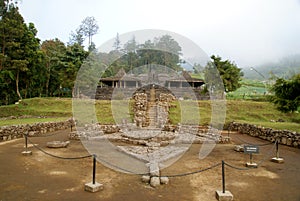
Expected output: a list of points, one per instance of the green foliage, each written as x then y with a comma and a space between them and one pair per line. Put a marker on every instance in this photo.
250, 90
87, 29
287, 94
229, 72
164, 51
19, 57
28, 68
259, 113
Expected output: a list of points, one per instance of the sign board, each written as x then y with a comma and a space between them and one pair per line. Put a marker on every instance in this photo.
251, 149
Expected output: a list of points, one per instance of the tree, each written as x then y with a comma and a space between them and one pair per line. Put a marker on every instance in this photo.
76, 37
117, 43
89, 28
18, 47
71, 63
229, 72
287, 94
54, 51
32, 78
169, 51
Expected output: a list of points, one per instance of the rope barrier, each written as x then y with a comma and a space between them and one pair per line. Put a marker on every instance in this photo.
268, 154
238, 168
48, 135
175, 175
258, 164
60, 157
260, 145
195, 172
123, 169
120, 168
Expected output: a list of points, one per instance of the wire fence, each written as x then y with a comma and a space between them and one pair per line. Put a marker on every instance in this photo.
55, 156
269, 153
260, 145
195, 172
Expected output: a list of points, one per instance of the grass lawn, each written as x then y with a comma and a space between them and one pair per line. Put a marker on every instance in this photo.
58, 109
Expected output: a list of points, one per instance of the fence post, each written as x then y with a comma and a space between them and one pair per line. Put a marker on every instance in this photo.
277, 159
223, 176
223, 194
94, 168
93, 186
26, 152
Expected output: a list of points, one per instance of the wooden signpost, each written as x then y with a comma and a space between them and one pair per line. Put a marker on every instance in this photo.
251, 149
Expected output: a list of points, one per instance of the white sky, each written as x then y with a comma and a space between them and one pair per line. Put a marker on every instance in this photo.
249, 32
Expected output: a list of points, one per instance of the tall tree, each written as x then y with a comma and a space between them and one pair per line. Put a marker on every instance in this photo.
287, 94
170, 51
18, 45
230, 74
89, 28
72, 61
54, 51
76, 37
117, 43
32, 79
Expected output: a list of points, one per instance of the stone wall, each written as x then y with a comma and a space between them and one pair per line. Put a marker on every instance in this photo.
17, 131
140, 109
284, 137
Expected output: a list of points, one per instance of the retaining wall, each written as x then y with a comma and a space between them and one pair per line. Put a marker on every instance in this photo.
17, 131
285, 137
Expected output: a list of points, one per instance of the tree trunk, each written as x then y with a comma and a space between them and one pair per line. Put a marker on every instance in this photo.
48, 80
17, 84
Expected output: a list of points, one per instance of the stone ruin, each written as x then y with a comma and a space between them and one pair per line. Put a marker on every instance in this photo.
153, 113
150, 138
140, 110
285, 137
156, 148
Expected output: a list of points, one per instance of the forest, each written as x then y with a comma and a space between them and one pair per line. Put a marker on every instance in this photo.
30, 67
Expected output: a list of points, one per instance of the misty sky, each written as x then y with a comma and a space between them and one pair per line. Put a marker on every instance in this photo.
249, 32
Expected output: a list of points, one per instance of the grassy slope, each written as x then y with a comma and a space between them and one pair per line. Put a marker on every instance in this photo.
259, 113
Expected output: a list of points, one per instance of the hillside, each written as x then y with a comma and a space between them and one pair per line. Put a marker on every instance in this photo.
51, 109
285, 67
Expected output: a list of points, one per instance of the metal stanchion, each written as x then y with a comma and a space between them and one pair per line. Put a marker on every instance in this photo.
223, 194
94, 168
223, 176
93, 186
26, 152
277, 159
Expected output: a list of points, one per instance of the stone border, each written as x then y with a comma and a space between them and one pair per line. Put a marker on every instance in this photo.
36, 129
285, 137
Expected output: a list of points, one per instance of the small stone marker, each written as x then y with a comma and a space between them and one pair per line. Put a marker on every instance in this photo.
146, 178
58, 144
277, 160
26, 153
154, 181
164, 180
93, 187
239, 148
227, 196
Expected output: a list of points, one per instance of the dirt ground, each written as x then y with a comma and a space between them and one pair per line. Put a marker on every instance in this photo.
42, 177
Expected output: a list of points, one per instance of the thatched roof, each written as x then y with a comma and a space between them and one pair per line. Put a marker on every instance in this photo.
121, 75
